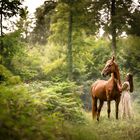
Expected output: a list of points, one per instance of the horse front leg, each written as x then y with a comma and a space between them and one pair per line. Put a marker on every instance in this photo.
108, 102
108, 108
117, 107
99, 109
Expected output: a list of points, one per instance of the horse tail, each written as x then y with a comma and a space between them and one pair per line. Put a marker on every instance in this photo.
94, 103
94, 107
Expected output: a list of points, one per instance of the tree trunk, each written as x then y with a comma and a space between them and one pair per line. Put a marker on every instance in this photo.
1, 23
1, 32
70, 61
1, 27
113, 25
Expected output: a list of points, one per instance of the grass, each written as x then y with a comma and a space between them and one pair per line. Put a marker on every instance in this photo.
105, 129
112, 129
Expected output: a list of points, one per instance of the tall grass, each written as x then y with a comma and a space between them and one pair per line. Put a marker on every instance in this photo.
112, 129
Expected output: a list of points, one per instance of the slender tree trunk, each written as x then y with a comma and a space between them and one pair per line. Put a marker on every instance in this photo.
1, 18
113, 25
70, 61
1, 27
1, 31
1, 24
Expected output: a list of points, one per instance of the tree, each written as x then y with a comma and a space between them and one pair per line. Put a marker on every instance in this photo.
43, 15
113, 25
70, 63
24, 24
134, 23
8, 9
71, 18
113, 16
129, 54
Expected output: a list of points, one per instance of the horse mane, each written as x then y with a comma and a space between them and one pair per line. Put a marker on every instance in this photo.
117, 74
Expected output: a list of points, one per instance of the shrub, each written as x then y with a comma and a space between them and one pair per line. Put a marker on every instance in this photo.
22, 118
62, 98
7, 77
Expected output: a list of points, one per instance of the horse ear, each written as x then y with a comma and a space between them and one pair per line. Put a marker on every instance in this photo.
113, 58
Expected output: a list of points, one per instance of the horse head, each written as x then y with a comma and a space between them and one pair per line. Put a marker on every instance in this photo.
110, 67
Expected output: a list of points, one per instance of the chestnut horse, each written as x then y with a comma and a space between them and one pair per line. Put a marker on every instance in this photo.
106, 90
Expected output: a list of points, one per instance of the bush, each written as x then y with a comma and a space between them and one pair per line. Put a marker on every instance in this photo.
22, 118
4, 73
14, 80
61, 97
38, 112
7, 77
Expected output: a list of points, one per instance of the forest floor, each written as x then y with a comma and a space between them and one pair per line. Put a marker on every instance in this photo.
24, 116
112, 129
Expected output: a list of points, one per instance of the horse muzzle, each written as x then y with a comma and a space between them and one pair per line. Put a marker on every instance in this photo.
103, 74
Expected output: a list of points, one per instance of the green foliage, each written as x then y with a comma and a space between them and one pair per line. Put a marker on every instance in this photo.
134, 23
42, 114
27, 66
35, 110
43, 21
14, 80
79, 132
22, 118
7, 77
59, 26
53, 68
49, 62
100, 54
4, 73
24, 25
47, 106
129, 54
61, 98
43, 64
12, 46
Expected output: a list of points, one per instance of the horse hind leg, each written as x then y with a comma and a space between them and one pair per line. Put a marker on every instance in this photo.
99, 109
94, 107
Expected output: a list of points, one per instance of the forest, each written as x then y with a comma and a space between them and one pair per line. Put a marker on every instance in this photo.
49, 61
